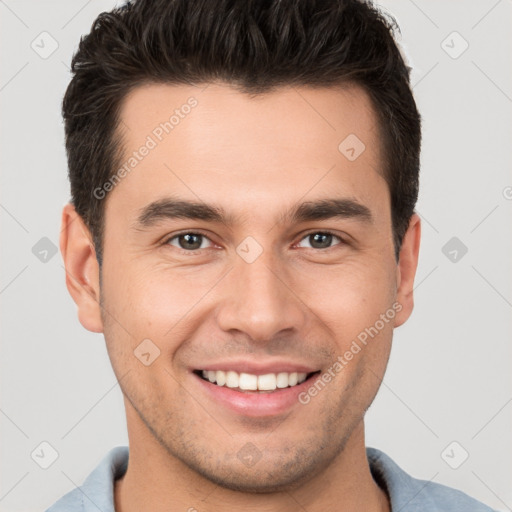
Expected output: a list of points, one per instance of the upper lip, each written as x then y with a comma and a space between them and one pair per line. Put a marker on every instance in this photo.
258, 367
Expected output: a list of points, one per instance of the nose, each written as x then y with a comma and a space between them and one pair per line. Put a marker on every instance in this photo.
259, 301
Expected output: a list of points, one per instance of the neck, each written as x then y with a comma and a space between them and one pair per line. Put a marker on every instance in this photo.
156, 481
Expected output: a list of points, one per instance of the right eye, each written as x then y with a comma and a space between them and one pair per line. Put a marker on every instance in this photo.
188, 241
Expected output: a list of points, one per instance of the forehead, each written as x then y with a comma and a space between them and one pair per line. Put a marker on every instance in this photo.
216, 144
288, 115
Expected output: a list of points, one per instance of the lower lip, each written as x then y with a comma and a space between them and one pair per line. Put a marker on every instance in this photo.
255, 404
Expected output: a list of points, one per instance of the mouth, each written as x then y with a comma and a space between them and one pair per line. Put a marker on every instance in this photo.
255, 384
254, 388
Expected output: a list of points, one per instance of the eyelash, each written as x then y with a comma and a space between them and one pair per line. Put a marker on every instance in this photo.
200, 251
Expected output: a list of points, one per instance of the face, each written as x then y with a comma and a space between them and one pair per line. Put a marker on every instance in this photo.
250, 330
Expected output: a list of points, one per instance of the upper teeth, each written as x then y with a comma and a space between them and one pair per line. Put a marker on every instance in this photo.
248, 381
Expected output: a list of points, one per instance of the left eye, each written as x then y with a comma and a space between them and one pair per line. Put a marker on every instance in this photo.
321, 240
188, 241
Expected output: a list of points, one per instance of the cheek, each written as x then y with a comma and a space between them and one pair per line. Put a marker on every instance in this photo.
350, 297
156, 302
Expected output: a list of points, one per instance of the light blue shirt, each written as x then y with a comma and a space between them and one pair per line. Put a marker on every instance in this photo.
407, 494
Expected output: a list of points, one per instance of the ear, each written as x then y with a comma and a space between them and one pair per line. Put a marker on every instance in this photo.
406, 271
82, 269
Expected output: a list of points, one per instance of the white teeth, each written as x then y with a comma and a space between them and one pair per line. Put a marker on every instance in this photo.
267, 382
250, 382
221, 378
232, 379
282, 380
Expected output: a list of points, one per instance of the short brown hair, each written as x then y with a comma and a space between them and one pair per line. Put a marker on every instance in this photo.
255, 45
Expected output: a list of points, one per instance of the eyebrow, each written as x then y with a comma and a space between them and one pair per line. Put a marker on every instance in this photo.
323, 209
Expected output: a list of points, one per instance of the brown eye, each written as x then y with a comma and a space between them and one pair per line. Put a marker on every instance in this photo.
321, 240
188, 241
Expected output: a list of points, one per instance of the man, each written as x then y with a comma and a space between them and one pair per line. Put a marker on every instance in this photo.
242, 231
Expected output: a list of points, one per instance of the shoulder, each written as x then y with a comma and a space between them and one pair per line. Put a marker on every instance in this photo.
415, 495
97, 491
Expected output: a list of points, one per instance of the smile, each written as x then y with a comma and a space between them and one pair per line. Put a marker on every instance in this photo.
247, 382
253, 388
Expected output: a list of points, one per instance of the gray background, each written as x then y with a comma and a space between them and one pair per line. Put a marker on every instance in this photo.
449, 378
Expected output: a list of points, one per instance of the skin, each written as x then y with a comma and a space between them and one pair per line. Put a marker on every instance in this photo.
256, 157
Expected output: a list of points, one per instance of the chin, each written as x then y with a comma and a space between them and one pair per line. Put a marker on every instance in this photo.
273, 472
265, 480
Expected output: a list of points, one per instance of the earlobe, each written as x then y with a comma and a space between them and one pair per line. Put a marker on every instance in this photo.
406, 271
82, 269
